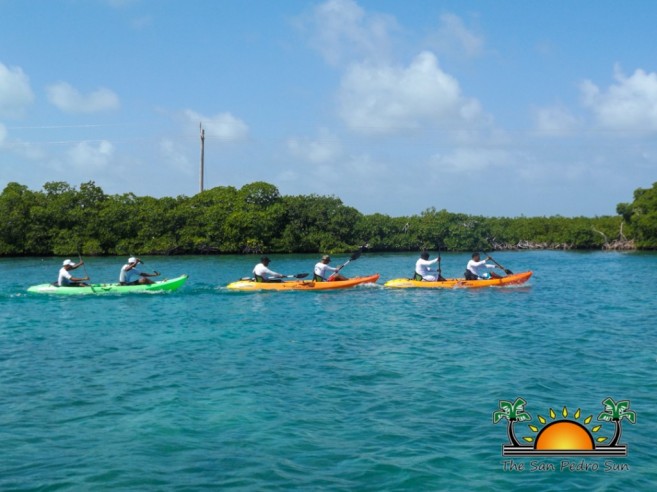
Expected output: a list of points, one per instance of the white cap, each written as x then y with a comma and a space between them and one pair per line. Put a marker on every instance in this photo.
132, 259
68, 262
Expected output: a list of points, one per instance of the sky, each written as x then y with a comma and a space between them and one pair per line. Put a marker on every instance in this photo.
504, 108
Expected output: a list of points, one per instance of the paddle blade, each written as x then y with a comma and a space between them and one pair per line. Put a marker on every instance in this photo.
354, 257
301, 275
357, 254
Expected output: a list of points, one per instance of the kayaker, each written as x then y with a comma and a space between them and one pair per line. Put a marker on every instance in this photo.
132, 275
264, 274
325, 273
423, 269
477, 269
65, 278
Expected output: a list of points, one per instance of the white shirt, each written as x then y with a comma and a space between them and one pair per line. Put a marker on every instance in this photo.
423, 267
321, 270
129, 276
261, 270
479, 267
64, 277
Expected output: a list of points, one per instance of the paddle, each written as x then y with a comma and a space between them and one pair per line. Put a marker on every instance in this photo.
440, 273
86, 274
354, 257
143, 276
507, 271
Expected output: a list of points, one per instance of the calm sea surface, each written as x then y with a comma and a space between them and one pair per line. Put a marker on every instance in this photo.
363, 389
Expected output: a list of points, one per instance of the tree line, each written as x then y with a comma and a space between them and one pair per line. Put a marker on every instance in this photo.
63, 220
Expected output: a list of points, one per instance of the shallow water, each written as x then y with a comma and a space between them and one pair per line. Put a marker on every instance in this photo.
363, 389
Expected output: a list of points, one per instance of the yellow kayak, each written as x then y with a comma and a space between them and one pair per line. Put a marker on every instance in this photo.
459, 283
250, 285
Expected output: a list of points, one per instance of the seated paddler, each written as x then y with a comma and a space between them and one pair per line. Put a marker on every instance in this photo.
323, 272
423, 269
262, 273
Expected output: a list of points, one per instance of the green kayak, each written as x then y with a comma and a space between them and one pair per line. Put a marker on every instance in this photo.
162, 285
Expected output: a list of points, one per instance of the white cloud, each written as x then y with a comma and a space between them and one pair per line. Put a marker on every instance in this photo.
31, 151
343, 31
223, 126
469, 160
379, 97
628, 105
325, 148
26, 150
385, 99
175, 156
555, 121
91, 156
67, 98
453, 37
15, 92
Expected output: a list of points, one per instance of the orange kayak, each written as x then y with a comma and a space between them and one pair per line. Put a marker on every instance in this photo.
459, 283
250, 285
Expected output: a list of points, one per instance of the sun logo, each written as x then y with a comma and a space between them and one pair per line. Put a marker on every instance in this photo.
564, 436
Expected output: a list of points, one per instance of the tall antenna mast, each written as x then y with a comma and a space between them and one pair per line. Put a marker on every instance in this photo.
200, 126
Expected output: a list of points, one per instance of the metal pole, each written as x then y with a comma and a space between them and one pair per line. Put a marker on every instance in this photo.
202, 152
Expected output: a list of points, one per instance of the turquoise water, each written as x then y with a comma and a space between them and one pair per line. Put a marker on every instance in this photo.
364, 389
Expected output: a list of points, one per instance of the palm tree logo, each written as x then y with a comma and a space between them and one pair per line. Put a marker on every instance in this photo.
513, 412
561, 434
615, 412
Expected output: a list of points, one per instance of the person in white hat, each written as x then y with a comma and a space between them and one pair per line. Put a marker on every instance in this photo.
325, 273
65, 278
132, 275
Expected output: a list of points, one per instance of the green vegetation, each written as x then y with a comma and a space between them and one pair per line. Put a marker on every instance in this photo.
63, 220
641, 216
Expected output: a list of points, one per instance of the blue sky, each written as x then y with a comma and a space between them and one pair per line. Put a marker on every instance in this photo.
500, 108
